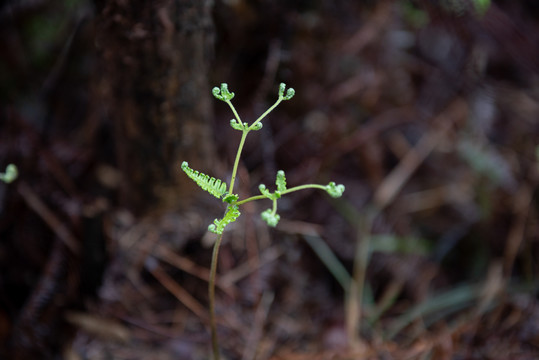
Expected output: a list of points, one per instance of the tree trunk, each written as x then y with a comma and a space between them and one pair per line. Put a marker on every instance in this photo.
153, 83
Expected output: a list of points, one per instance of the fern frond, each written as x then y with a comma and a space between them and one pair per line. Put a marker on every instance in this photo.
214, 186
232, 213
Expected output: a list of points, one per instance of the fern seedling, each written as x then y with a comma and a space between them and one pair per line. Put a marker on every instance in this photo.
10, 174
218, 188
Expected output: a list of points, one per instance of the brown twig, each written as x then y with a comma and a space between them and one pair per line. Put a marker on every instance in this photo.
175, 289
392, 184
35, 203
255, 333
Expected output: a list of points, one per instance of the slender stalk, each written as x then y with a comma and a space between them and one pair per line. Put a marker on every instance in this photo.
252, 198
211, 293
237, 161
266, 113
287, 191
234, 111
303, 187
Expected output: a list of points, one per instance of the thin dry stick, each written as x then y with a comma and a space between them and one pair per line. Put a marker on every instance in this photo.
521, 208
179, 292
255, 334
162, 252
394, 182
357, 285
248, 267
35, 203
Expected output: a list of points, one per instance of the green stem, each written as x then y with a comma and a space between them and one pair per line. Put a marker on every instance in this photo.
287, 191
274, 210
252, 198
237, 161
303, 187
244, 136
211, 293
266, 113
234, 111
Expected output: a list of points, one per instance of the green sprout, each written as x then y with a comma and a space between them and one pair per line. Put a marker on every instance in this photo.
220, 190
10, 174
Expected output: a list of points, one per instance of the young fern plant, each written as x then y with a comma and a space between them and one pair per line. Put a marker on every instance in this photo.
219, 188
225, 193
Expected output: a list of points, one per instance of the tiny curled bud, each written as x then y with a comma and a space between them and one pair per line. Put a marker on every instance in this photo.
257, 126
235, 125
270, 218
289, 93
264, 191
230, 198
222, 93
335, 190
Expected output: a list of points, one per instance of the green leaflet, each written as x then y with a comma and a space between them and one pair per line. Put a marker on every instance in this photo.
232, 213
212, 185
280, 181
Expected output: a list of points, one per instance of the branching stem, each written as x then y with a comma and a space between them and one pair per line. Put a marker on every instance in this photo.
287, 191
266, 113
237, 161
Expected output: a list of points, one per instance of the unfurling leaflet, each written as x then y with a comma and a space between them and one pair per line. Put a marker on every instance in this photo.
280, 181
212, 185
232, 213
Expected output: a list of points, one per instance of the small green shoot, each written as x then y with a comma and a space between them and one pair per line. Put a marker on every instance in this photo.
10, 174
218, 188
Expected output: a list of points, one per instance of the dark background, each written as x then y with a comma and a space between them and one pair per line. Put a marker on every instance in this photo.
427, 111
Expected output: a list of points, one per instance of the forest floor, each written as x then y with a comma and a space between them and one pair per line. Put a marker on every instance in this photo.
430, 118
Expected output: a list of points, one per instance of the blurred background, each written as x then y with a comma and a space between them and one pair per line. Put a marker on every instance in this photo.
427, 111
